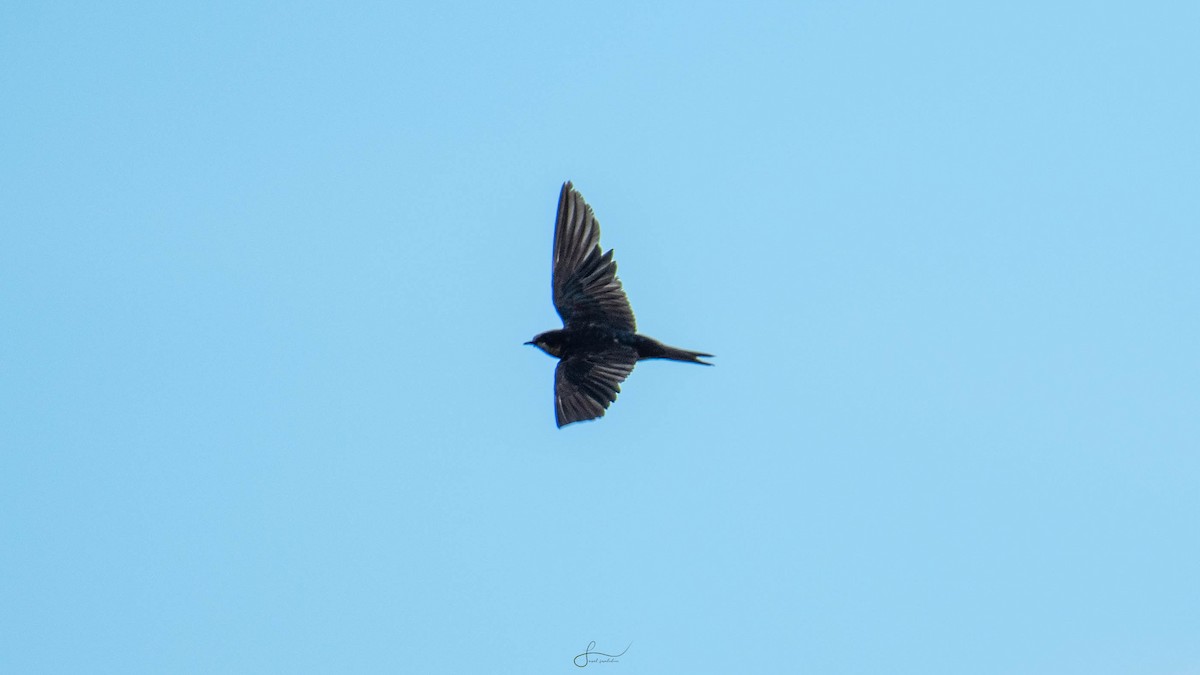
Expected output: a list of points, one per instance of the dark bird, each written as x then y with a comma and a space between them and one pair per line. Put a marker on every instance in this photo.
598, 344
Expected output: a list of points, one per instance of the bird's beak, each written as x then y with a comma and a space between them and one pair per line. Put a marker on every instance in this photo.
531, 343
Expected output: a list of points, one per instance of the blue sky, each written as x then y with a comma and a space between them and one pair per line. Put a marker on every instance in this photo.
267, 269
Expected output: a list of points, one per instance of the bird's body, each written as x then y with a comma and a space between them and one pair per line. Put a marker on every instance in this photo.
598, 338
598, 344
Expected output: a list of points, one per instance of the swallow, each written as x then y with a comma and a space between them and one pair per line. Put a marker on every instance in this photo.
598, 344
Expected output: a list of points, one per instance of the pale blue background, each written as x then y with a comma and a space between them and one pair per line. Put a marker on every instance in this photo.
266, 270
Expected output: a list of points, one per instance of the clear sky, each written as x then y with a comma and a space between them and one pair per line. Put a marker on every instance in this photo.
266, 269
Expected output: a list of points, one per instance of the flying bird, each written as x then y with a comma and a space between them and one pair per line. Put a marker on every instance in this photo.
598, 344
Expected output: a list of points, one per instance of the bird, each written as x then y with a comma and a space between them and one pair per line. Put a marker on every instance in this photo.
598, 344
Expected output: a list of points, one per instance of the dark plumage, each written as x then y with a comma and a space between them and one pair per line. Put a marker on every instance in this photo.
598, 344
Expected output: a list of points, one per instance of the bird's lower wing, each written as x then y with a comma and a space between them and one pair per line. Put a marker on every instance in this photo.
585, 384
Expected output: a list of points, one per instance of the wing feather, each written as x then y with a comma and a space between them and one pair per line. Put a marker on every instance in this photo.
585, 284
586, 384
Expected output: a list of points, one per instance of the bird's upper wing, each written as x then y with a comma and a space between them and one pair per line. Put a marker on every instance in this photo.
586, 287
585, 384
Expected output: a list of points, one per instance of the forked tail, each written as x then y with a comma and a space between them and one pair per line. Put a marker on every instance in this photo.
676, 354
653, 349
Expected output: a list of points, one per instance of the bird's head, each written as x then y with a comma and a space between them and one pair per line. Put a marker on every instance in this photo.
548, 342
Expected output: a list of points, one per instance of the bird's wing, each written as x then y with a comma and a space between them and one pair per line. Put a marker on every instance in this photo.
586, 287
585, 384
